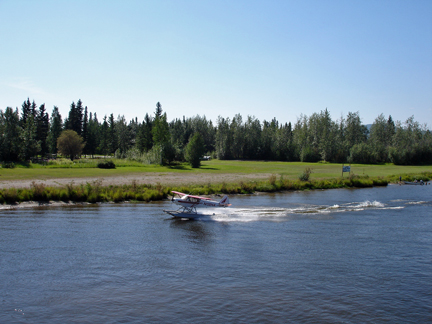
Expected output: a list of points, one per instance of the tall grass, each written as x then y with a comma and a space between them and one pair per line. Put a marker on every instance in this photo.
425, 176
90, 192
68, 164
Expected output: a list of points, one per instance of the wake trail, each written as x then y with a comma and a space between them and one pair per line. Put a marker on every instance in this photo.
250, 214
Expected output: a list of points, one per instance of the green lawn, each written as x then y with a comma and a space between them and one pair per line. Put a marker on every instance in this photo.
290, 170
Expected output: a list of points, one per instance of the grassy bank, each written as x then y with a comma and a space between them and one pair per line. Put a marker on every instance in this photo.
83, 168
95, 192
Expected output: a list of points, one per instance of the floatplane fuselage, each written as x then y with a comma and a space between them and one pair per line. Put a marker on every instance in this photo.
188, 204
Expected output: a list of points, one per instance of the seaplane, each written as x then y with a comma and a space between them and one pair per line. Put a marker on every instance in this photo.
189, 203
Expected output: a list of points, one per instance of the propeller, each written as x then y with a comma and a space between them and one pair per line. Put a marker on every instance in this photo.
172, 196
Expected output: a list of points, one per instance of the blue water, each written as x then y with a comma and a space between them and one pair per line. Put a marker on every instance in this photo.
331, 256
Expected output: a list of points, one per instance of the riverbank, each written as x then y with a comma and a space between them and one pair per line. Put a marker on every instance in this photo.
36, 204
72, 195
96, 191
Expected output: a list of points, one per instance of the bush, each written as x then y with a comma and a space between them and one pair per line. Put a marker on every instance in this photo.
10, 196
380, 182
64, 195
106, 165
93, 198
305, 175
8, 165
117, 196
272, 180
39, 192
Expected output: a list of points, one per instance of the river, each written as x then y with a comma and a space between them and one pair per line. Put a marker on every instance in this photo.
324, 256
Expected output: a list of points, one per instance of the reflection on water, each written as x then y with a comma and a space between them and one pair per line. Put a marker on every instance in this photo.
320, 256
194, 231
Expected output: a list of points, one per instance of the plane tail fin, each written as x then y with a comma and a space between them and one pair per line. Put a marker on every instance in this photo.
225, 201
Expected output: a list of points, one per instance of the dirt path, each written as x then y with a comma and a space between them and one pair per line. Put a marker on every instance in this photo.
164, 178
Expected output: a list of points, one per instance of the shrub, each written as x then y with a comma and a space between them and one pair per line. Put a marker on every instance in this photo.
64, 196
93, 198
52, 193
10, 196
305, 175
24, 195
39, 192
117, 196
223, 188
272, 180
8, 165
138, 196
265, 187
134, 185
247, 187
153, 156
106, 165
380, 182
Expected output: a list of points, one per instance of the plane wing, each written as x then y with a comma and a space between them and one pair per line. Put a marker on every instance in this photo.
199, 197
179, 193
196, 197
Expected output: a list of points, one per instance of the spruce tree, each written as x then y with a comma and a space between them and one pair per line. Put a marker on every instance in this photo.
123, 132
85, 130
92, 135
390, 130
25, 111
33, 109
112, 138
42, 129
160, 131
75, 118
77, 124
30, 146
144, 139
158, 112
161, 134
195, 150
55, 130
11, 131
104, 144
69, 121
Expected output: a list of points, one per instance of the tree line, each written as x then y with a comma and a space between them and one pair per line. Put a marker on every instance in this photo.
30, 132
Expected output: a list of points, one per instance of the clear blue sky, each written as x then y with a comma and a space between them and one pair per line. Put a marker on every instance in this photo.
260, 58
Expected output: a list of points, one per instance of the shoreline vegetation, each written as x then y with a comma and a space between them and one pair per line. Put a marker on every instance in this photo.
311, 177
95, 192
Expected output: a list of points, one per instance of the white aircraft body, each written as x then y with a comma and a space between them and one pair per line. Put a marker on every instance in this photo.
188, 204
